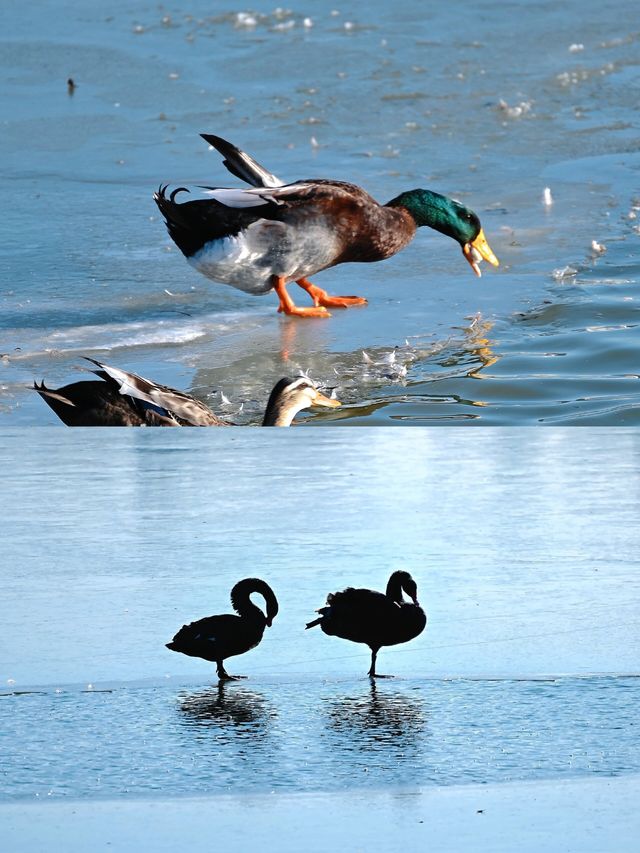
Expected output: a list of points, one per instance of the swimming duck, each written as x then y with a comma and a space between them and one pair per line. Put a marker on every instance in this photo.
261, 238
126, 399
374, 618
217, 638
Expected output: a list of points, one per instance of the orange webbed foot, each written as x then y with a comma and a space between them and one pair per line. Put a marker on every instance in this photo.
297, 311
322, 298
287, 305
340, 301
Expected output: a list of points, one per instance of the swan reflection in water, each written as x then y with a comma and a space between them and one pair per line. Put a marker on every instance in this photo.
232, 710
381, 723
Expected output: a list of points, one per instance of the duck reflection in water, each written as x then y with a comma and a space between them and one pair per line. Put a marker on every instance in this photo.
229, 708
480, 345
379, 721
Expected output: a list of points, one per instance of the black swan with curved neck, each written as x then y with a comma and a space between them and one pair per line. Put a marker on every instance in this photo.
374, 618
217, 638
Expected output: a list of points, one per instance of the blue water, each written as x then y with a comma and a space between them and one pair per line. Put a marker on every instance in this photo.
314, 736
523, 543
489, 102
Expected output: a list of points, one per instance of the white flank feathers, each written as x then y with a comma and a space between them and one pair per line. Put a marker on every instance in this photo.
249, 259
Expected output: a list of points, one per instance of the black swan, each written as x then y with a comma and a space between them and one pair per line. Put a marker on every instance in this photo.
217, 638
125, 399
374, 618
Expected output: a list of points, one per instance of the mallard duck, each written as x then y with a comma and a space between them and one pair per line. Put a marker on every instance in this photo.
217, 638
374, 618
126, 399
260, 239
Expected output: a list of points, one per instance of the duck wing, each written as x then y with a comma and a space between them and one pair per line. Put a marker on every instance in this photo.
92, 404
219, 214
241, 164
343, 209
161, 405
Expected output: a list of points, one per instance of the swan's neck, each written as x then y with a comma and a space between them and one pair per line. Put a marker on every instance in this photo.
394, 589
242, 604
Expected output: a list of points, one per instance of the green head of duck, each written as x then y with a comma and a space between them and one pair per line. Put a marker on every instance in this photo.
450, 217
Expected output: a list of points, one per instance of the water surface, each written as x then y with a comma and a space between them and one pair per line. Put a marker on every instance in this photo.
489, 102
523, 543
314, 736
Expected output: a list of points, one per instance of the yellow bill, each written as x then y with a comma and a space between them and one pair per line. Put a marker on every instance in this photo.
478, 250
326, 402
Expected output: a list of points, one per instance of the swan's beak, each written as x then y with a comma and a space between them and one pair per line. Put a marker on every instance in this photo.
269, 621
478, 250
325, 402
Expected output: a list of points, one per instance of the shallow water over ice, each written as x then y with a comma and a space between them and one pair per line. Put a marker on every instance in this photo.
290, 735
523, 543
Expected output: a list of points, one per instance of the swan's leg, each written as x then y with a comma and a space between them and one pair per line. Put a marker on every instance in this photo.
321, 297
287, 305
372, 672
223, 675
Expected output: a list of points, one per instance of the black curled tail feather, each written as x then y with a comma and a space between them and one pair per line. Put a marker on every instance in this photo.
194, 223
53, 398
180, 224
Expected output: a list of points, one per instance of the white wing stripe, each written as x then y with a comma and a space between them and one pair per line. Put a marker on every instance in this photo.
252, 197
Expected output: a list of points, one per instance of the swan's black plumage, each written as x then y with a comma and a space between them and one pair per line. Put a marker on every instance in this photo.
217, 638
374, 618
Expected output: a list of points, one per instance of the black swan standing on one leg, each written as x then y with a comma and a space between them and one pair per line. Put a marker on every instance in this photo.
216, 638
374, 618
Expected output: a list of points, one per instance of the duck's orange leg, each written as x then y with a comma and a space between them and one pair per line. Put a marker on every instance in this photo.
321, 297
287, 305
